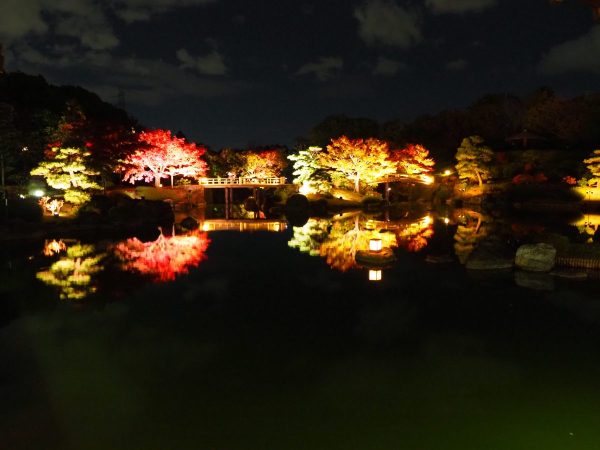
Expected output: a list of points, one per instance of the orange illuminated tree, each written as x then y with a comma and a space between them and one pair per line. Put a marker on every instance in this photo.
263, 164
413, 160
359, 160
162, 155
164, 258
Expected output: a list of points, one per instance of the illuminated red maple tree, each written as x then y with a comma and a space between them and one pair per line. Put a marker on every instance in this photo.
413, 160
163, 155
164, 258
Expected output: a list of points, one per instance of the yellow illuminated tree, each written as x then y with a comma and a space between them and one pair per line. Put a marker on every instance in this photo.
67, 169
359, 160
473, 160
593, 165
263, 164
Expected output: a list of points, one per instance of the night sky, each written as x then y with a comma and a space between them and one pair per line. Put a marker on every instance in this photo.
238, 73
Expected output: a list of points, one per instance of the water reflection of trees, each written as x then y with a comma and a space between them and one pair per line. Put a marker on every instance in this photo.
415, 235
74, 274
164, 258
588, 225
472, 228
338, 239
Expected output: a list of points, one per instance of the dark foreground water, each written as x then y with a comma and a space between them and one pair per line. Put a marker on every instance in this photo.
263, 346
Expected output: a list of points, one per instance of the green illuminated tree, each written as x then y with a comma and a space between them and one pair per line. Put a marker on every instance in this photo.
308, 170
593, 165
67, 169
473, 160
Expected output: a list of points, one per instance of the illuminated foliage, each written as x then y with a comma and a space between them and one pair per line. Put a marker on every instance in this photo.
164, 258
413, 160
308, 172
473, 160
593, 165
162, 155
415, 236
73, 274
262, 164
107, 138
337, 240
358, 160
339, 250
53, 206
67, 169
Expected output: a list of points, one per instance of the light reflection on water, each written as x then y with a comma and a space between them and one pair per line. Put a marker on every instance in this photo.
75, 266
261, 346
339, 239
165, 258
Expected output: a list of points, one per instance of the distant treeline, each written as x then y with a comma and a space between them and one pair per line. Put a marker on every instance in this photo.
34, 115
563, 123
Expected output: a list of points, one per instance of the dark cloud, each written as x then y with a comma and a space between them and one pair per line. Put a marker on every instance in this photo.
324, 69
212, 63
388, 67
458, 6
147, 82
578, 55
141, 10
384, 22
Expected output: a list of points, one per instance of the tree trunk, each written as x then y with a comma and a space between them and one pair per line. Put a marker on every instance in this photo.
156, 181
171, 180
357, 185
479, 180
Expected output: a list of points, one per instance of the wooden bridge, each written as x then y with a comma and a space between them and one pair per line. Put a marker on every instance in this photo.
244, 225
241, 182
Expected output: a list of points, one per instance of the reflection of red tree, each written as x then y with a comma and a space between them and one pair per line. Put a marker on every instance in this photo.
164, 258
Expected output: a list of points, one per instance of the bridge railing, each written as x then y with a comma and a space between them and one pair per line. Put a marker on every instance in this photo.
271, 181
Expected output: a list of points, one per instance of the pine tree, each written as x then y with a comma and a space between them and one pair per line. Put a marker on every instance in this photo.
67, 169
473, 160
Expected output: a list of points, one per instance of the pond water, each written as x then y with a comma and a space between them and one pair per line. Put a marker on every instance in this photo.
243, 336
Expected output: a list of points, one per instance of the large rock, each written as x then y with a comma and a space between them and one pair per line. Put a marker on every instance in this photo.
536, 257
